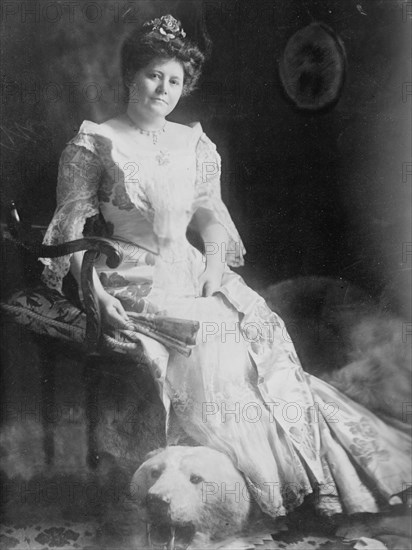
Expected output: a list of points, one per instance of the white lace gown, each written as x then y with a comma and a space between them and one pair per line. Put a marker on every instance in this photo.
242, 391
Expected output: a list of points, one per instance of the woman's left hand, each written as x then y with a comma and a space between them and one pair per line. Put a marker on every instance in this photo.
210, 281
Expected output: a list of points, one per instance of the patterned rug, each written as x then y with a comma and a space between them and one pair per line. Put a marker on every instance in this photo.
87, 536
94, 512
69, 535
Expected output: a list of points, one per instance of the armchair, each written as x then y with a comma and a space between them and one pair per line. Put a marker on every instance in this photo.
53, 317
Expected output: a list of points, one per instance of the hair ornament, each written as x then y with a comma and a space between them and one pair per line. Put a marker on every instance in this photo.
166, 28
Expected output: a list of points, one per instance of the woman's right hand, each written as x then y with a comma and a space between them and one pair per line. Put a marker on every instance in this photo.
113, 313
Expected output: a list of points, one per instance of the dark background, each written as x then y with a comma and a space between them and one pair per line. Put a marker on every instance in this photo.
319, 194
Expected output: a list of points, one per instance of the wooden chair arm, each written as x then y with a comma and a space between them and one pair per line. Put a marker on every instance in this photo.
111, 248
115, 250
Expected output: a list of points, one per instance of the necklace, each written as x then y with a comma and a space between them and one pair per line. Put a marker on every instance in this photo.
153, 133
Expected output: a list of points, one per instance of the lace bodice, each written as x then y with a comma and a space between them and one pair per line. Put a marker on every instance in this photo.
146, 196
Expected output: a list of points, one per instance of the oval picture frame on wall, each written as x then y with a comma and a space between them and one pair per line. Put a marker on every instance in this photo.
312, 68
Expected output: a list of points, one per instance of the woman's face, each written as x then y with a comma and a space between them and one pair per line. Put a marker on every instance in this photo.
156, 89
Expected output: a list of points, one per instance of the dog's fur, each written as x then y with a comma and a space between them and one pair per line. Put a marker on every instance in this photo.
379, 374
344, 337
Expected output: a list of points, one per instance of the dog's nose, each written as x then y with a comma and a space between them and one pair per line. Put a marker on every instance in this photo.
158, 504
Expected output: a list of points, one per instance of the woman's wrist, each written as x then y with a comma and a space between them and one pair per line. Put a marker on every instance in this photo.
102, 296
215, 265
216, 257
215, 241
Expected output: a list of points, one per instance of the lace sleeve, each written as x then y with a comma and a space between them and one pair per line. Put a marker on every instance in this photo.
77, 184
208, 196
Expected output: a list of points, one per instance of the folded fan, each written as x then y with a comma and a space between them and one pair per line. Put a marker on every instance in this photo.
174, 333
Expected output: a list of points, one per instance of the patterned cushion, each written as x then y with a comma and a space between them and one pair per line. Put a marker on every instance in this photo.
45, 311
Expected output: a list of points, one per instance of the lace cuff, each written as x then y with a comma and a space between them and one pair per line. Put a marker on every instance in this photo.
208, 196
77, 184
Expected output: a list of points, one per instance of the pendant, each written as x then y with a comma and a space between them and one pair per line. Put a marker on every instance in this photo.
163, 157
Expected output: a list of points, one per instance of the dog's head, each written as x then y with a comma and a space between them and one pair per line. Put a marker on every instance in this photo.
188, 490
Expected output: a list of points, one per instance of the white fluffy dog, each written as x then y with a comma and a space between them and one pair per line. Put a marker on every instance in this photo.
188, 494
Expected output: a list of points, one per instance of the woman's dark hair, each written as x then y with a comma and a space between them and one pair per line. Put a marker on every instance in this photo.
141, 47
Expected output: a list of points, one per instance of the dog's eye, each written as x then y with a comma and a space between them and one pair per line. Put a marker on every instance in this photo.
155, 474
196, 479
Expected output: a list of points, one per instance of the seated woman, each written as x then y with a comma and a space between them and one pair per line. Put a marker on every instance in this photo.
242, 391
